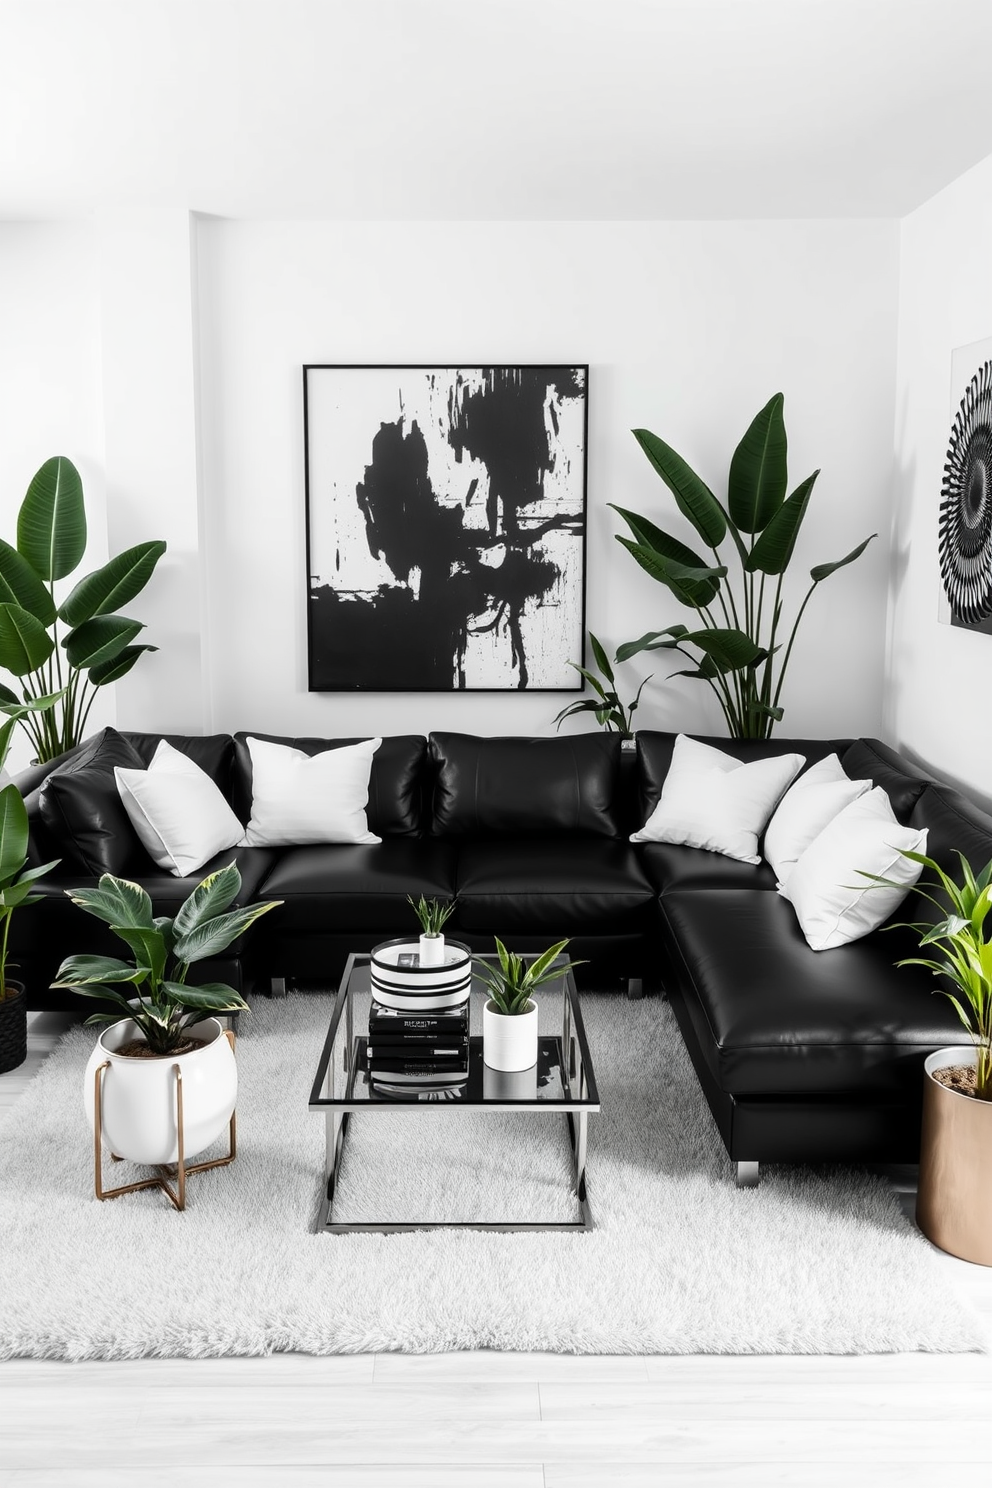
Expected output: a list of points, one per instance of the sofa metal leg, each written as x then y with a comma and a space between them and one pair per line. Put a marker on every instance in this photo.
747, 1174
635, 988
278, 988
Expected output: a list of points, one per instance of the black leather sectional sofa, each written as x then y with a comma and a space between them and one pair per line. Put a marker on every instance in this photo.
802, 1055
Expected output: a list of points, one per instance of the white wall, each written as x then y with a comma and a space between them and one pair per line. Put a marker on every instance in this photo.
688, 328
938, 693
51, 396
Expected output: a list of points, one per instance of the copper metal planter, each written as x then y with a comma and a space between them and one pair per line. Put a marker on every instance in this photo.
954, 1201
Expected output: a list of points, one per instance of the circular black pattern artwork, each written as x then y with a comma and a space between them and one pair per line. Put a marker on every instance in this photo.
965, 540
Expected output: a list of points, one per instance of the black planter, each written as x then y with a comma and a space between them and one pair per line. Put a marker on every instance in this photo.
13, 1027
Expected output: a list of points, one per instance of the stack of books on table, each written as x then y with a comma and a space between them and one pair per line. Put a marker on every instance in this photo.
420, 1055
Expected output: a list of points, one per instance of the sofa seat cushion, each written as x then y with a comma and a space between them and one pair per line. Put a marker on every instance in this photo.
57, 928
556, 886
670, 867
775, 1018
342, 886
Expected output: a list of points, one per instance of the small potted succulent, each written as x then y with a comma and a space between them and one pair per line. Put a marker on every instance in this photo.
954, 1198
166, 1022
509, 1017
433, 915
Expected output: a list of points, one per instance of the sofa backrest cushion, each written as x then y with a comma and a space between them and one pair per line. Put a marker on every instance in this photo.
83, 812
870, 759
953, 825
214, 753
523, 786
395, 783
654, 756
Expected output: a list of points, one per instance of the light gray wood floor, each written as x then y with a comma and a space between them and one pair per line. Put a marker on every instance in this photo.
492, 1420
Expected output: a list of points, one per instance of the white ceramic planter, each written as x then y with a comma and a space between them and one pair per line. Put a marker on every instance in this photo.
139, 1095
509, 1043
431, 950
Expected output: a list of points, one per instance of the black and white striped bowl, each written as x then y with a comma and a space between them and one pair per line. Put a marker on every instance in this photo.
416, 988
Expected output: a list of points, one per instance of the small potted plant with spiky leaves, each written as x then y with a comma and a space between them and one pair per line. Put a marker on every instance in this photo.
509, 1017
433, 915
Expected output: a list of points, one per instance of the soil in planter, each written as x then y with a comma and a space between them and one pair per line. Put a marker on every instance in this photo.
961, 1078
138, 1049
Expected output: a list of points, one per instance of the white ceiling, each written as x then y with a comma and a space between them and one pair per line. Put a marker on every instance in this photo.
442, 109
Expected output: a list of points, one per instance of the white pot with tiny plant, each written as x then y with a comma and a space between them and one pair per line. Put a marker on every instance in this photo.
433, 915
167, 1025
509, 1017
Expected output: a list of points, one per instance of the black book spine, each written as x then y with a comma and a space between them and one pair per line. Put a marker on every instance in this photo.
419, 1026
380, 1049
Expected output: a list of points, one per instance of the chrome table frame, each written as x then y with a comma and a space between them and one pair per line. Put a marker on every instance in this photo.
580, 1098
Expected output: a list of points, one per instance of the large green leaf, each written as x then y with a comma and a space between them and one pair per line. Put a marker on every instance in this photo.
216, 893
772, 553
114, 585
758, 471
117, 901
650, 536
14, 832
653, 640
8, 699
602, 660
824, 570
691, 586
693, 496
212, 997
148, 946
118, 666
86, 970
20, 585
51, 524
101, 640
728, 649
217, 934
25, 644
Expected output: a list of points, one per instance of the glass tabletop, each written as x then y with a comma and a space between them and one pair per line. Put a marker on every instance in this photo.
351, 1077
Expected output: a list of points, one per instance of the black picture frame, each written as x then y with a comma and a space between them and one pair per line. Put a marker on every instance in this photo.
445, 526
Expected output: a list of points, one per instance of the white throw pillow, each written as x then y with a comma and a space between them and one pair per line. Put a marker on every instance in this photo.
709, 799
179, 813
833, 903
805, 809
299, 798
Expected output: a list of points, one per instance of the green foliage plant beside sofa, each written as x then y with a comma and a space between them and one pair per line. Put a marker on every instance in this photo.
738, 643
64, 651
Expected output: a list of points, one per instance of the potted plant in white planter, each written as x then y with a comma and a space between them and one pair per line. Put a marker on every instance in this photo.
433, 915
954, 1198
509, 1017
167, 1024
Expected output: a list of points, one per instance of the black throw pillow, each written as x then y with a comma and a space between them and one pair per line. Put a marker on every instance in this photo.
82, 809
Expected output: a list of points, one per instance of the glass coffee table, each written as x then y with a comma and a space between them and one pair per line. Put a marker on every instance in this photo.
562, 1083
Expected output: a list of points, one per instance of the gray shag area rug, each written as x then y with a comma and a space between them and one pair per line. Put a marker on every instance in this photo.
681, 1262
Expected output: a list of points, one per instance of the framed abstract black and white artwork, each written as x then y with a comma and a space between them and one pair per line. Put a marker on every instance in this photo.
964, 536
445, 527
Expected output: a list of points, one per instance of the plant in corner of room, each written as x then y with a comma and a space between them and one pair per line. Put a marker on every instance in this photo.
16, 879
609, 710
63, 652
738, 634
433, 914
161, 1004
960, 939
